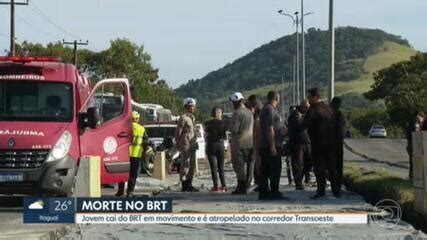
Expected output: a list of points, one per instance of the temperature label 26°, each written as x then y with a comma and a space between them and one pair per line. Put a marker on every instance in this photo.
49, 210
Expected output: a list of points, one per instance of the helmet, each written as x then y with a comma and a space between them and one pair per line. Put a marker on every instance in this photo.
135, 114
189, 102
235, 97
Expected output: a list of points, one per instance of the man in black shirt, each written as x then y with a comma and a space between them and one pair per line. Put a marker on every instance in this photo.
340, 133
321, 127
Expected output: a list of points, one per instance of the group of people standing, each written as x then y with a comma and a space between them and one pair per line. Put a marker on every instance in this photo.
315, 131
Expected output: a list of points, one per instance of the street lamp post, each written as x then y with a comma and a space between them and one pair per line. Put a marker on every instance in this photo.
282, 103
332, 51
303, 47
296, 20
294, 80
297, 56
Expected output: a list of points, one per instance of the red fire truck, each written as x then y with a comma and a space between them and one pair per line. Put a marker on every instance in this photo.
51, 117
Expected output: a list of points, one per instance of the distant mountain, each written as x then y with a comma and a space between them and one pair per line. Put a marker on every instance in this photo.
359, 52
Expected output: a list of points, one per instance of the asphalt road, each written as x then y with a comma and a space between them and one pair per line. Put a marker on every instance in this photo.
380, 154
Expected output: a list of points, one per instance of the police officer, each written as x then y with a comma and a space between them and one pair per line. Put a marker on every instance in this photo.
139, 136
321, 126
186, 140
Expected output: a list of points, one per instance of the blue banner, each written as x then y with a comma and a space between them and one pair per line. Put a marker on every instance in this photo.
49, 210
63, 210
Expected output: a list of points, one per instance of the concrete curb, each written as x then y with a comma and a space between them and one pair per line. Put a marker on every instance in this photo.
371, 158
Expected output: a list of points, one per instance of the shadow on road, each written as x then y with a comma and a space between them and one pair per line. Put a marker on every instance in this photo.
294, 197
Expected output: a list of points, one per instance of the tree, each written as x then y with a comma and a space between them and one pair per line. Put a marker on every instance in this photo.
403, 86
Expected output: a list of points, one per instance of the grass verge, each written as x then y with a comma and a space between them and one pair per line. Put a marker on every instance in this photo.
374, 186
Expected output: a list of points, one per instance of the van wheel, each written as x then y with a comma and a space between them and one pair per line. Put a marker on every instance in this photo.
71, 191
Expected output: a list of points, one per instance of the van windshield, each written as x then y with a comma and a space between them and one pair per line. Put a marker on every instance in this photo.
36, 101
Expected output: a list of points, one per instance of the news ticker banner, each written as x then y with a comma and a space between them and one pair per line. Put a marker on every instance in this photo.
67, 210
159, 211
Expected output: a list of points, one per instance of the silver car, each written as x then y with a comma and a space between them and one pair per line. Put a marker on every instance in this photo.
377, 131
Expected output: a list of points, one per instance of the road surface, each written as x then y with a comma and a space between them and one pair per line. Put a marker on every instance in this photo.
221, 202
11, 210
381, 154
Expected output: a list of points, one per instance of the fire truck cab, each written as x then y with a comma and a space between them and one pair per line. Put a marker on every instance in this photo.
51, 117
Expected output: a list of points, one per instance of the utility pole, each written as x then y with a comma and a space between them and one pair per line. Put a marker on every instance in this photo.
303, 49
12, 4
75, 43
332, 50
297, 55
282, 102
293, 83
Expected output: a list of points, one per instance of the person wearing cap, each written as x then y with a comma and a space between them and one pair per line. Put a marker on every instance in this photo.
139, 137
340, 135
241, 142
321, 126
417, 123
272, 132
186, 141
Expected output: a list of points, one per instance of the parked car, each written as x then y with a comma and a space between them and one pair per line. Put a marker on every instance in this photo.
158, 132
377, 131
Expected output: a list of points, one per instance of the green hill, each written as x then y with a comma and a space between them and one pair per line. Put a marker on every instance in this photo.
359, 53
386, 55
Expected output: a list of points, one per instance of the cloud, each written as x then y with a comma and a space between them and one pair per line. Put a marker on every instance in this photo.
36, 205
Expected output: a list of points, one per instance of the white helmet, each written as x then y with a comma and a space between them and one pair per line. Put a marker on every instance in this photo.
189, 102
235, 97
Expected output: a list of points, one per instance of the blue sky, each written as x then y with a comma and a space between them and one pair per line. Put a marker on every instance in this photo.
189, 38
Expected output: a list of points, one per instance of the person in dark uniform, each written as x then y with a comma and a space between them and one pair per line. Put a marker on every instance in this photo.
341, 133
321, 127
299, 142
216, 131
416, 123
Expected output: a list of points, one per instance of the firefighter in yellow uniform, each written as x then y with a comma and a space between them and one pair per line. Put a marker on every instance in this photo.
139, 136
